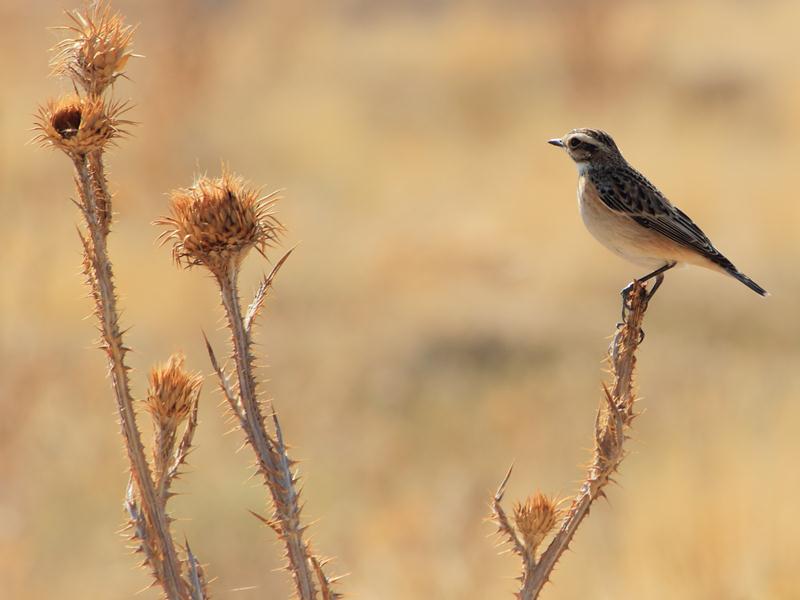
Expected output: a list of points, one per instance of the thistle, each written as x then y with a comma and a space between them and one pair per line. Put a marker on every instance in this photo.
98, 50
535, 519
79, 125
172, 399
215, 223
83, 125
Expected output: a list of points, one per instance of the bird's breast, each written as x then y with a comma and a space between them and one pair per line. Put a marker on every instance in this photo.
608, 226
620, 233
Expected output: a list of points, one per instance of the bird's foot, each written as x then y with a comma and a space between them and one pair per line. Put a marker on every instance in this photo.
619, 327
626, 301
627, 305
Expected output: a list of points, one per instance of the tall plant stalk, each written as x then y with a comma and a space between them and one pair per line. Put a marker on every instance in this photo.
215, 223
82, 125
536, 519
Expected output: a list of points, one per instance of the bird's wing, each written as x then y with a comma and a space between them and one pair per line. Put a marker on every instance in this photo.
628, 192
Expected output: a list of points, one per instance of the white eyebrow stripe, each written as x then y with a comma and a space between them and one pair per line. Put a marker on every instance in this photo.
587, 139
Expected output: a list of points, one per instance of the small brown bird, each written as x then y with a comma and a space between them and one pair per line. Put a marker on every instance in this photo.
628, 215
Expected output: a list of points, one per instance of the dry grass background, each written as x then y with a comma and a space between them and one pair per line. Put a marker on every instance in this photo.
444, 313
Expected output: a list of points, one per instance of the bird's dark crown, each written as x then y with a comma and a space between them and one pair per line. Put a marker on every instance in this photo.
597, 135
590, 146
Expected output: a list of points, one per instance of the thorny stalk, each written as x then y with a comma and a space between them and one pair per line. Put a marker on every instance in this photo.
82, 125
215, 223
613, 420
273, 462
167, 565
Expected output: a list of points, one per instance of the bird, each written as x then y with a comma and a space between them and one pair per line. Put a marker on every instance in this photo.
632, 218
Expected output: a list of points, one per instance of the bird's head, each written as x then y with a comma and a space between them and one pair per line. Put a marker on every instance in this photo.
588, 147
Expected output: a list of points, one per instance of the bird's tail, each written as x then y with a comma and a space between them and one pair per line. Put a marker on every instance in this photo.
749, 282
729, 268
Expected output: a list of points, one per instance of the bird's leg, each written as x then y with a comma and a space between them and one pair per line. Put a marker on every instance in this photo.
658, 282
626, 291
659, 275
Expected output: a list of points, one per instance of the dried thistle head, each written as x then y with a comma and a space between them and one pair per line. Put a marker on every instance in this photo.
79, 125
172, 393
98, 50
217, 221
535, 518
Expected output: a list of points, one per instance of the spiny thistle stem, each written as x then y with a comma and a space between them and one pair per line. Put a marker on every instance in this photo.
272, 459
103, 194
215, 223
103, 284
613, 420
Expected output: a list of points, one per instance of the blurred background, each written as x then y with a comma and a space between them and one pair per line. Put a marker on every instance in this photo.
445, 312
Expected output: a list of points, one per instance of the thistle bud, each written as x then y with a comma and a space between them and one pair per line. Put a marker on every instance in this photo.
97, 52
217, 221
172, 393
78, 125
535, 518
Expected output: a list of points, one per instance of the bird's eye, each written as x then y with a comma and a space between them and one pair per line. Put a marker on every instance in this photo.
574, 143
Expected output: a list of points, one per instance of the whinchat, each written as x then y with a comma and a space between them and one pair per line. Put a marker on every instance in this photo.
628, 215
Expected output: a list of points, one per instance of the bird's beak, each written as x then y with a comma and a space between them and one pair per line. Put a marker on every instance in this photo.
556, 142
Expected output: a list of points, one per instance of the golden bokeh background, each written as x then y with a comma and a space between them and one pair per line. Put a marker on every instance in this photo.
444, 314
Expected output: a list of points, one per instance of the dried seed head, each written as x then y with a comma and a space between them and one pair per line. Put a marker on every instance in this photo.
79, 125
172, 393
216, 222
535, 519
98, 50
